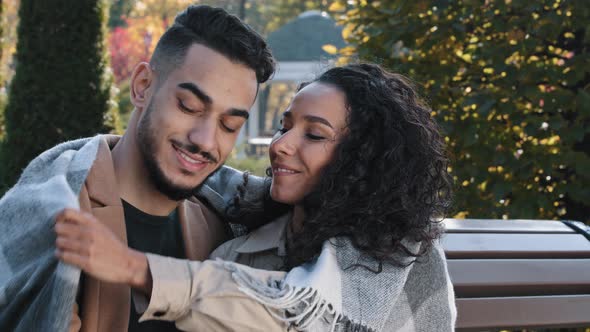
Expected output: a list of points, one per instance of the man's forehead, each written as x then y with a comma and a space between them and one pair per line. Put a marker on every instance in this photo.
238, 96
208, 61
200, 61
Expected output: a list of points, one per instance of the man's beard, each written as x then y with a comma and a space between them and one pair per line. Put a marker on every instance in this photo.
146, 141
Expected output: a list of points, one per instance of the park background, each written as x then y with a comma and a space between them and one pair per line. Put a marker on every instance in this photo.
508, 81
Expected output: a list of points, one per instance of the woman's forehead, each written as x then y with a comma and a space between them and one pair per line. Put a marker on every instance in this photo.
320, 99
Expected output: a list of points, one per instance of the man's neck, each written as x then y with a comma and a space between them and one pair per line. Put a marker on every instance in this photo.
135, 186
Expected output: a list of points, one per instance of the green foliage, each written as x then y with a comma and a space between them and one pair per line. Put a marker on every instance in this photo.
62, 86
266, 16
1, 31
3, 99
2, 94
118, 11
509, 81
124, 102
256, 165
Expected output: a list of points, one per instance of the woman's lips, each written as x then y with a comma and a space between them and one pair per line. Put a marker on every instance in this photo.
282, 170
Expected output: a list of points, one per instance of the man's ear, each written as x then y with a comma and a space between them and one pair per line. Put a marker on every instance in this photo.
141, 85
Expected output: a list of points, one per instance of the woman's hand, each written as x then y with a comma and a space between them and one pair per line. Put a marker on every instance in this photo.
83, 241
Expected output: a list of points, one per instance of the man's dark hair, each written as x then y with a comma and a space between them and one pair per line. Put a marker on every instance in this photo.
218, 30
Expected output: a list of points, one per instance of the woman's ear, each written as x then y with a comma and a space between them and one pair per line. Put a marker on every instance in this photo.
141, 85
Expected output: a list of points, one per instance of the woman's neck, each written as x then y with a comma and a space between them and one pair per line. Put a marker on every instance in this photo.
298, 219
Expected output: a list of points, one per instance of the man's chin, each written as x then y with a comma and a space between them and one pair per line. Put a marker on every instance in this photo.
172, 190
176, 193
181, 185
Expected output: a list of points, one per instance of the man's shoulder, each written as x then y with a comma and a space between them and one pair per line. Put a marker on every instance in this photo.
101, 183
196, 209
196, 204
202, 229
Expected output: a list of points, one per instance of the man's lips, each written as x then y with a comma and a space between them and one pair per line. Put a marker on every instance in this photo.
190, 162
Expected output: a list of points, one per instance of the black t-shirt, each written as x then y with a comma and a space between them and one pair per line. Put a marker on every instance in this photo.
157, 235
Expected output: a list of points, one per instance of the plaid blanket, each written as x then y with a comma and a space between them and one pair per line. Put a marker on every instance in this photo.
328, 295
37, 292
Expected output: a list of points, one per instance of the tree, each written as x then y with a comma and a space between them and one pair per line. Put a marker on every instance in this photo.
1, 28
165, 10
266, 16
509, 81
9, 23
62, 86
2, 95
119, 11
133, 43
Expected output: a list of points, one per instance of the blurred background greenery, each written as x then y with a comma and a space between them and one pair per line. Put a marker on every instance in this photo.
508, 80
255, 164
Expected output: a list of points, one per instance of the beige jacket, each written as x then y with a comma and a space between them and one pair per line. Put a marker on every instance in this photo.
202, 296
105, 306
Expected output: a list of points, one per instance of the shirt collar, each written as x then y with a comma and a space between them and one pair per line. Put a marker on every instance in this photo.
267, 237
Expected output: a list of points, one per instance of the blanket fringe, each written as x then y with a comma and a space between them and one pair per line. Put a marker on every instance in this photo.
307, 303
350, 326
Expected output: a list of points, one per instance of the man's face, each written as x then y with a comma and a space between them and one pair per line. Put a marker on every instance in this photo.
192, 120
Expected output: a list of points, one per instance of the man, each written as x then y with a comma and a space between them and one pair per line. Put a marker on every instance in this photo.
190, 102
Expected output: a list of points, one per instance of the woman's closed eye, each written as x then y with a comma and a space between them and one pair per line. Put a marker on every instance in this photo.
314, 137
309, 136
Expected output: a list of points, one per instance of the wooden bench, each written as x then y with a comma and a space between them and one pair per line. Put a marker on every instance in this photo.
512, 274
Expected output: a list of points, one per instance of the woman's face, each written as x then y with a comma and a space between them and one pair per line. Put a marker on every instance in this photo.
311, 129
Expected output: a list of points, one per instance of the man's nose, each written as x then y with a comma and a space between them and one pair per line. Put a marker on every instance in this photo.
203, 134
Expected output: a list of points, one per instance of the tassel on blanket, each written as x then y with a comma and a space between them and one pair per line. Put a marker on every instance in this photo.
350, 326
300, 307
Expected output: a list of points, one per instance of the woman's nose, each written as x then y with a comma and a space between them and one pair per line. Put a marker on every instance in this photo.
284, 144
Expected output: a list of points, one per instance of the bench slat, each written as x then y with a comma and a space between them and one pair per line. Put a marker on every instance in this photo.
523, 312
505, 226
519, 277
490, 245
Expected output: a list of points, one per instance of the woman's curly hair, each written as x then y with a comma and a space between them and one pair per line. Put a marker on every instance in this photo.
388, 180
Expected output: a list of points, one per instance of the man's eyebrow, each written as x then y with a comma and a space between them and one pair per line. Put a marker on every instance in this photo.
195, 90
238, 112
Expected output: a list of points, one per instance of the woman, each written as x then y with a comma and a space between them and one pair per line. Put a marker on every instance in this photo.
361, 163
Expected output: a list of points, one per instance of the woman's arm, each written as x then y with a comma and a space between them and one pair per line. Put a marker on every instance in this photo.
202, 296
199, 296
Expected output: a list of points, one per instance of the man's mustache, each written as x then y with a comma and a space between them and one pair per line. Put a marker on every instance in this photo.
195, 149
